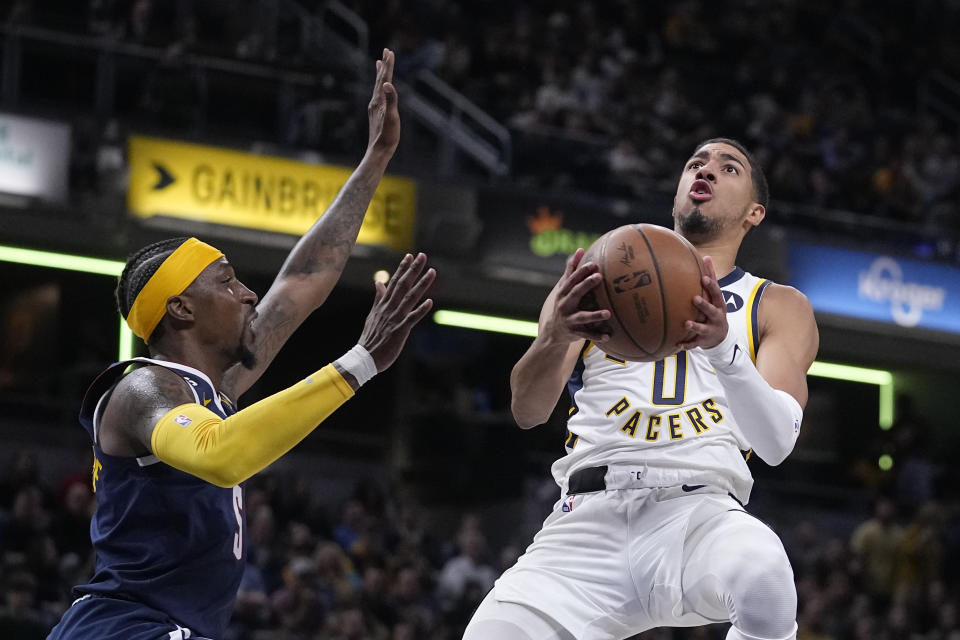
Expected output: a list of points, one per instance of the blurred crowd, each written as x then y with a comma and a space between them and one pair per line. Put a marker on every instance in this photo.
609, 95
244, 29
839, 105
381, 565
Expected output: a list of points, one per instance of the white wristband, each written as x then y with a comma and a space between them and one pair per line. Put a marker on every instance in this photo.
359, 363
726, 353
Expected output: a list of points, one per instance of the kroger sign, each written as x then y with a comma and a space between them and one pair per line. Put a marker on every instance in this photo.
906, 292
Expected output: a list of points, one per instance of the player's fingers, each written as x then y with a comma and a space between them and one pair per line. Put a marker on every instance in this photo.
402, 300
573, 262
418, 290
712, 289
709, 308
578, 275
417, 314
710, 282
581, 284
402, 269
379, 292
388, 60
708, 264
390, 93
698, 328
583, 318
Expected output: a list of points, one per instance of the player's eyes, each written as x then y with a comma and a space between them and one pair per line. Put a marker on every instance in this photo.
731, 169
695, 165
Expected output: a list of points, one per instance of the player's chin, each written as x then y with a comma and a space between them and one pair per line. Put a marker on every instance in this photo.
246, 357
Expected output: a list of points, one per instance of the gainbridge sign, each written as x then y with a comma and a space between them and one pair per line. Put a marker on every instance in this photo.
234, 188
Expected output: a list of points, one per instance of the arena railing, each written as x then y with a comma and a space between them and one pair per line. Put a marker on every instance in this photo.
110, 53
459, 125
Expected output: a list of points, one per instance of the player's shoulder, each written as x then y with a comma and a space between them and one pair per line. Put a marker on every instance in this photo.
785, 296
152, 385
133, 406
783, 305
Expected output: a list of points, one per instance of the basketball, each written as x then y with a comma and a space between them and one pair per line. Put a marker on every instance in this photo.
650, 276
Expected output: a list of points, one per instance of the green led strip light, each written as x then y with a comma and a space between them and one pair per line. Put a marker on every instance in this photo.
883, 379
69, 262
485, 323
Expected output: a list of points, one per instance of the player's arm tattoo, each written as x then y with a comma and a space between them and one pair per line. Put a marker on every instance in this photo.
327, 245
136, 404
309, 273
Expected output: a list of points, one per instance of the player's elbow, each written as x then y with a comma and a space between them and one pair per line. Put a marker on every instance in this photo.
773, 456
225, 477
525, 417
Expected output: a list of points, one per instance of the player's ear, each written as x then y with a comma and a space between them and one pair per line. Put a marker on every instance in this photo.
756, 214
180, 308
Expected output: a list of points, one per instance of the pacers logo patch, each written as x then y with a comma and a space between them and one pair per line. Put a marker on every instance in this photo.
183, 421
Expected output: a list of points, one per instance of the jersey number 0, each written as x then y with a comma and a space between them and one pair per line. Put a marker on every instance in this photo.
679, 381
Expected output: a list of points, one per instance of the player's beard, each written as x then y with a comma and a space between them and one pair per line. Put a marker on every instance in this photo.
246, 357
697, 227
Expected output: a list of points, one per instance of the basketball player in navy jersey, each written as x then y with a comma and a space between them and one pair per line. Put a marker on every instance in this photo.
651, 528
173, 450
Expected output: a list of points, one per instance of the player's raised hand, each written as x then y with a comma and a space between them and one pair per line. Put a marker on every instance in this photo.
572, 317
382, 111
397, 307
713, 329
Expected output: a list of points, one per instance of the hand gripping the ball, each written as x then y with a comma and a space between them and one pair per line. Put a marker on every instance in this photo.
570, 317
397, 307
713, 329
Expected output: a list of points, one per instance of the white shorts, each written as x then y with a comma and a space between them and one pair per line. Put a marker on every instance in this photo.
612, 564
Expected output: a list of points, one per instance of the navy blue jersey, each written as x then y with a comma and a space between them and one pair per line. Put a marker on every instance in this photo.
162, 537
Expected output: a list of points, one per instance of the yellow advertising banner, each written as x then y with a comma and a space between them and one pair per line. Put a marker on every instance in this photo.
235, 188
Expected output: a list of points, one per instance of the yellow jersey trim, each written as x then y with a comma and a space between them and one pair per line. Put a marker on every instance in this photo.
752, 325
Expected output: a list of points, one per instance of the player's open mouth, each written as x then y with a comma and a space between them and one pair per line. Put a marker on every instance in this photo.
700, 190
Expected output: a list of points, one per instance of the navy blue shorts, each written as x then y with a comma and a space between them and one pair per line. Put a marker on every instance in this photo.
100, 618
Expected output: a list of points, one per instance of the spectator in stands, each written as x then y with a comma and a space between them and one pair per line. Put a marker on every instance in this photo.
919, 557
71, 523
875, 544
297, 604
466, 570
19, 617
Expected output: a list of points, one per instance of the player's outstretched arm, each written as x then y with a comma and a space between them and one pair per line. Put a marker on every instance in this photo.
539, 376
767, 400
314, 265
168, 422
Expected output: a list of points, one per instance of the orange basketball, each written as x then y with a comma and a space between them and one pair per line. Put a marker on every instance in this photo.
650, 276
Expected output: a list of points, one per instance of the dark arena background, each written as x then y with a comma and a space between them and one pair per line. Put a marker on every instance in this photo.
529, 128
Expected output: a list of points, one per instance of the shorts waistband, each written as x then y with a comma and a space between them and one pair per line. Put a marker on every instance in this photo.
603, 478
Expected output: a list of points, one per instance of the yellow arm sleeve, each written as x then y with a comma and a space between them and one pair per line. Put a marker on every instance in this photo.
227, 451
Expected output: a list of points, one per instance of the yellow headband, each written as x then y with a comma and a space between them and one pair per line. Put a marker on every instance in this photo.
175, 274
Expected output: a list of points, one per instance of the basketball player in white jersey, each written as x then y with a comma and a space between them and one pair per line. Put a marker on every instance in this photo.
651, 528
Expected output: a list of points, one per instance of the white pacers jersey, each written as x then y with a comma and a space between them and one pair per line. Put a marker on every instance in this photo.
669, 419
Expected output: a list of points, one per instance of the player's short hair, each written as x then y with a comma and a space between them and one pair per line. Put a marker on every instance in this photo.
761, 190
139, 269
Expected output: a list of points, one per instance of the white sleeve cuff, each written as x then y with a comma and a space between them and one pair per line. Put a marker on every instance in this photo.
359, 363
